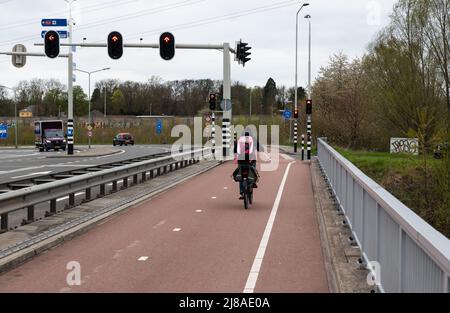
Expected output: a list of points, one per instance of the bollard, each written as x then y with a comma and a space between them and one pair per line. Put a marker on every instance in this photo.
53, 206
30, 213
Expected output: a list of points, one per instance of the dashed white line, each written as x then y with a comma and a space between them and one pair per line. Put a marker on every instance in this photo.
143, 258
176, 229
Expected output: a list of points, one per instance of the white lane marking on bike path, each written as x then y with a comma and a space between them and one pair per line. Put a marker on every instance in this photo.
257, 262
287, 157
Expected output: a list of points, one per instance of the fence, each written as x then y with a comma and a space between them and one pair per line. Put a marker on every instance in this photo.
412, 255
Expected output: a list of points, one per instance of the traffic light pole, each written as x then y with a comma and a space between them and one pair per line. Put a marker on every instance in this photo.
309, 122
227, 114
70, 126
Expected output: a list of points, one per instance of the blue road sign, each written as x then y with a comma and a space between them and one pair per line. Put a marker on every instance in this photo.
159, 127
63, 34
54, 22
69, 132
3, 131
287, 114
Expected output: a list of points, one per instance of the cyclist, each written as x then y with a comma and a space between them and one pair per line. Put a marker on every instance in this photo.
246, 155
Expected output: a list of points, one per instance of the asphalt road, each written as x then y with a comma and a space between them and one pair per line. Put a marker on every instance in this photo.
196, 237
28, 163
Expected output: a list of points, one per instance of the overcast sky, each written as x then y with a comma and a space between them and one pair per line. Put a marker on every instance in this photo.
267, 25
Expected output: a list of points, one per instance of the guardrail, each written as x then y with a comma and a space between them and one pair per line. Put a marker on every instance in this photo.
50, 192
403, 252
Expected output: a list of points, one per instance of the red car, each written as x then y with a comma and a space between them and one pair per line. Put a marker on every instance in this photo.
123, 139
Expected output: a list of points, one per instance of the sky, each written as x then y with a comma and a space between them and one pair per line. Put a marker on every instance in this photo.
268, 26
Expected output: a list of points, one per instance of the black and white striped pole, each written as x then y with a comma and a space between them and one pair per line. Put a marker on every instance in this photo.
235, 143
295, 136
226, 137
303, 147
213, 134
70, 136
309, 135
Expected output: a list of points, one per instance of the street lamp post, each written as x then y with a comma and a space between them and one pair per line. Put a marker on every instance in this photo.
309, 57
251, 89
296, 73
104, 110
89, 74
15, 115
309, 122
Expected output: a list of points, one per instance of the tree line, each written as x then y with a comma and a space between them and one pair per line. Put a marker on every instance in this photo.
399, 88
155, 97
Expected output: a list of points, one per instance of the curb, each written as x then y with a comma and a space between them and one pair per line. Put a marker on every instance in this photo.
81, 156
17, 258
333, 284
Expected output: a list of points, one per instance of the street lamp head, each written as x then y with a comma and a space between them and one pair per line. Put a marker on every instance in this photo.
307, 16
303, 5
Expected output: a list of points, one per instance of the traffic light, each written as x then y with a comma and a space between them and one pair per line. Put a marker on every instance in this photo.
308, 106
51, 42
167, 46
212, 101
296, 113
242, 54
115, 45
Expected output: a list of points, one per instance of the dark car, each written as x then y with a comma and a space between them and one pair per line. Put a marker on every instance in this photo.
123, 139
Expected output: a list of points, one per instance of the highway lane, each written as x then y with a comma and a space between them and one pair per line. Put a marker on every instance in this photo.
28, 163
196, 237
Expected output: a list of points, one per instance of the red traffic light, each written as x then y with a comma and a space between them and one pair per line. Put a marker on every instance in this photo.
167, 46
309, 106
51, 43
115, 45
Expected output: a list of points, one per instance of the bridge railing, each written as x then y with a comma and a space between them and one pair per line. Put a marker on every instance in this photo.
49, 193
403, 251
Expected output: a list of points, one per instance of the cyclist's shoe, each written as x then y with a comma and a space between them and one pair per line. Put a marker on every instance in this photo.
241, 197
255, 185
